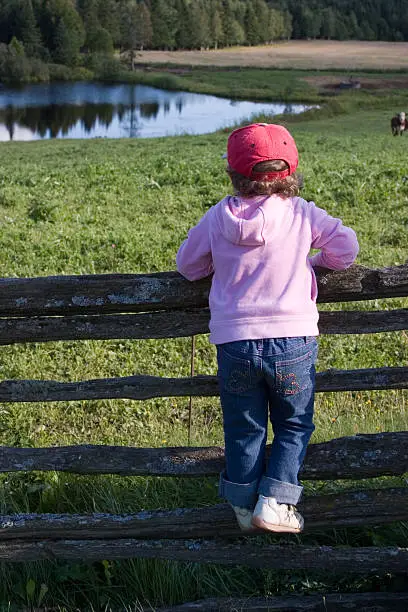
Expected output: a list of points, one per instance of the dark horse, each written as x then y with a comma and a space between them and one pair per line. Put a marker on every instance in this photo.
398, 124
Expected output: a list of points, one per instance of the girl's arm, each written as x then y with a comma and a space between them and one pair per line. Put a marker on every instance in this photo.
337, 243
194, 259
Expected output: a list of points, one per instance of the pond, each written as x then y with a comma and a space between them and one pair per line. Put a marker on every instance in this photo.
98, 110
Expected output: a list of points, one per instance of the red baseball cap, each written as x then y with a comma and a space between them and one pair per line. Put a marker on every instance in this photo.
258, 142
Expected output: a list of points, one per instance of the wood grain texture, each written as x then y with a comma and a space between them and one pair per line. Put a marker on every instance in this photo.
175, 324
148, 387
342, 560
109, 293
354, 457
343, 509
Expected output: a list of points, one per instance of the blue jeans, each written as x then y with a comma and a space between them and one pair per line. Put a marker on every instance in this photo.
256, 377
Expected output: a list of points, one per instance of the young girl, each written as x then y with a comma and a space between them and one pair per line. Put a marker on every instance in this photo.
257, 244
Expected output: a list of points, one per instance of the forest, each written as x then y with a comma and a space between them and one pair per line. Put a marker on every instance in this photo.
346, 19
35, 34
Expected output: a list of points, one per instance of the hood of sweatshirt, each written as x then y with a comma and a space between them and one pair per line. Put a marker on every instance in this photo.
248, 221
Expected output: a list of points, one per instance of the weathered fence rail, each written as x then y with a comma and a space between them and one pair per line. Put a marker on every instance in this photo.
356, 560
147, 387
356, 457
109, 293
174, 324
167, 306
350, 508
367, 602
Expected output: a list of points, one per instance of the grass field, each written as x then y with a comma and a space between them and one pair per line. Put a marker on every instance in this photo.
377, 88
304, 54
124, 206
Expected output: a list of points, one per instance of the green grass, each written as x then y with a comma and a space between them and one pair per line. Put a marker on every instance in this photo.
263, 83
101, 206
250, 83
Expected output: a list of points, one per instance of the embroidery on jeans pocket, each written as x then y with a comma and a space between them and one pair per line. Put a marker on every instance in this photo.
238, 380
234, 372
288, 383
292, 377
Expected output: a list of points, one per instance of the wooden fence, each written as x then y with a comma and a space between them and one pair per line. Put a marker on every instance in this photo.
165, 305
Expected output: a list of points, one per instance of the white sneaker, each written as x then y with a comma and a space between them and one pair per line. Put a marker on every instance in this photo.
272, 516
244, 518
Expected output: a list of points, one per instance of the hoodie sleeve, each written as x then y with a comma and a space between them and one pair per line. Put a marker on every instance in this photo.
337, 243
194, 258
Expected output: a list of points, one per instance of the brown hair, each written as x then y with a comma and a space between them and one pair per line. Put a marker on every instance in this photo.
286, 187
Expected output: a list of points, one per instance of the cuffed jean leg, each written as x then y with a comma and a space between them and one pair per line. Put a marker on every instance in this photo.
242, 495
283, 492
244, 401
291, 414
291, 437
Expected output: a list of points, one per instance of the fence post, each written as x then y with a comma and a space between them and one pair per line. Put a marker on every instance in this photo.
190, 405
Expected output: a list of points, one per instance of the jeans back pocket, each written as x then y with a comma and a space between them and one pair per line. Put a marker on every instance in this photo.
235, 374
297, 374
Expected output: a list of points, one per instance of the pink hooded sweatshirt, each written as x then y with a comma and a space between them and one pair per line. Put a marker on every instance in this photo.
258, 249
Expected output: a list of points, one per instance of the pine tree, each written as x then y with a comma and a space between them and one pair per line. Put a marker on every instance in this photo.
62, 29
109, 18
26, 28
182, 34
252, 28
65, 51
164, 24
341, 31
228, 25
99, 40
328, 29
262, 17
88, 9
383, 29
276, 25
296, 16
311, 23
14, 66
216, 29
144, 28
237, 33
128, 25
354, 29
240, 12
204, 25
199, 34
136, 28
367, 33
287, 25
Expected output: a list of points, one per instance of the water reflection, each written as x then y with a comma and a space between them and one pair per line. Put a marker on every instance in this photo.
86, 110
57, 120
149, 109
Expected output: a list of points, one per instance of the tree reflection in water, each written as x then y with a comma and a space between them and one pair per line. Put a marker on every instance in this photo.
149, 110
89, 110
58, 119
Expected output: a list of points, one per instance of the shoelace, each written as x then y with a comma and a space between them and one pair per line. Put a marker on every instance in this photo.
291, 513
